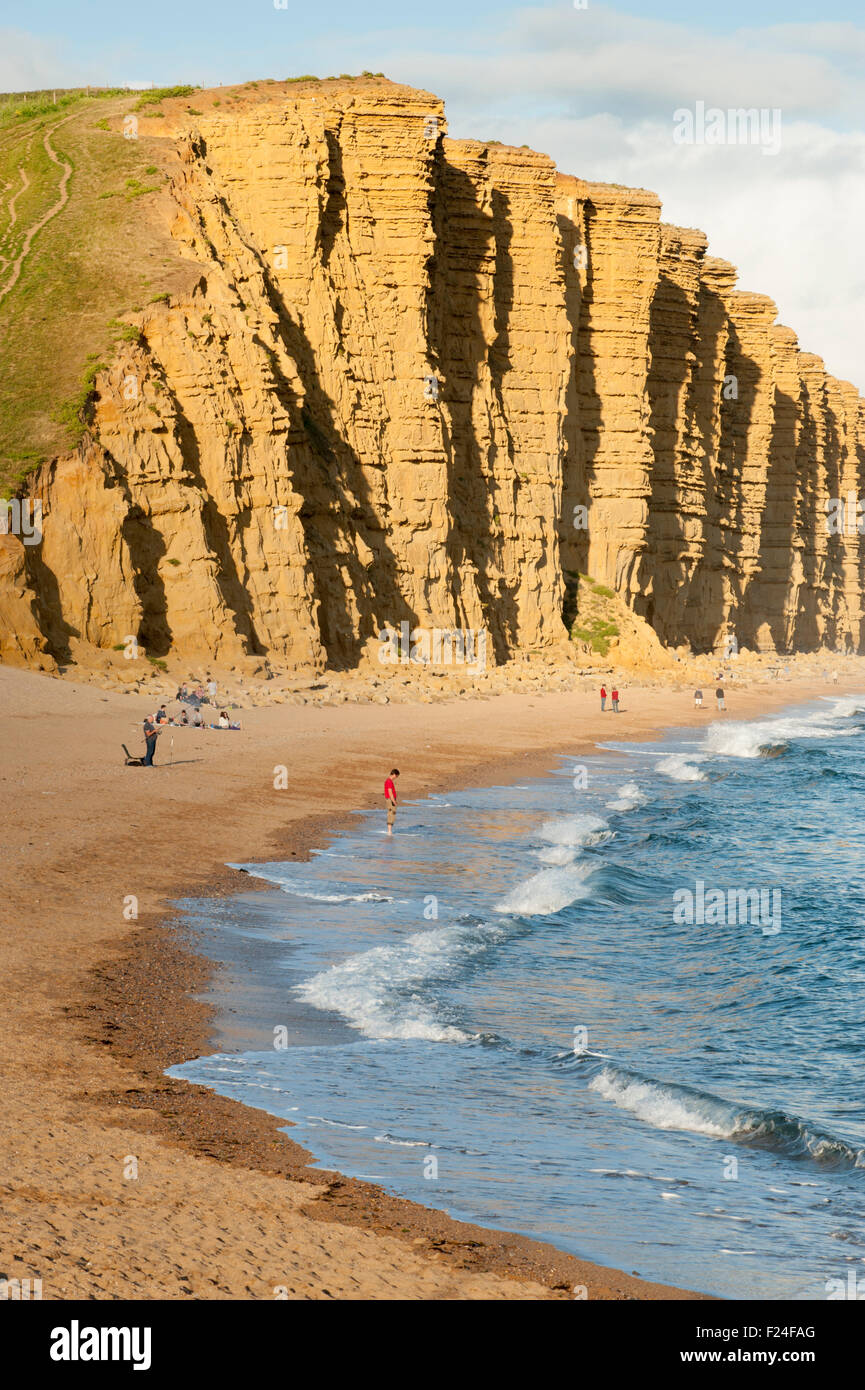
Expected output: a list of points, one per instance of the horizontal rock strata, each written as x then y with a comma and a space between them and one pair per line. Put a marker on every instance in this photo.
431, 381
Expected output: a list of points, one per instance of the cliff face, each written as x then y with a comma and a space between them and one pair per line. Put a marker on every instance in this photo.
433, 381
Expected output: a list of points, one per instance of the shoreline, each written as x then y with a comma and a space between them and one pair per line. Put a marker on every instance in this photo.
138, 1012
164, 968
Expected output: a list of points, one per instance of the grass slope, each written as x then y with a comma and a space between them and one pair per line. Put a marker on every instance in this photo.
104, 253
100, 255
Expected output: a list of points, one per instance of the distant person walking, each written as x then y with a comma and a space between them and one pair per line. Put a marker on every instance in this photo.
603, 698
719, 696
151, 734
615, 699
211, 689
390, 798
698, 699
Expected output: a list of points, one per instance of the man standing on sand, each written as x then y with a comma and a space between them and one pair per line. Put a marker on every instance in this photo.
615, 699
151, 734
603, 698
390, 798
719, 696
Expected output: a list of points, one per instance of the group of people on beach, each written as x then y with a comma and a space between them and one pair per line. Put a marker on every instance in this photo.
719, 694
698, 696
193, 697
199, 694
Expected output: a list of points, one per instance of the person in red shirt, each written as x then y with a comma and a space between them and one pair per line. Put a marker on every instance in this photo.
615, 699
603, 698
390, 798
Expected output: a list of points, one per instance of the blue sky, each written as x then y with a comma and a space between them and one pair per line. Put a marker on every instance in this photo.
596, 89
224, 41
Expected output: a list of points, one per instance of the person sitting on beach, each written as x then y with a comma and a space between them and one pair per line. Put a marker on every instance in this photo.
224, 722
197, 720
184, 718
698, 699
162, 715
390, 798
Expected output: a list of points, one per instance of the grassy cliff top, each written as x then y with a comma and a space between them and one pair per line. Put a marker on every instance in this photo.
84, 238
76, 254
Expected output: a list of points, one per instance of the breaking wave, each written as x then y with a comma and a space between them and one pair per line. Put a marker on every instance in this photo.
384, 993
568, 835
667, 1106
576, 830
680, 768
628, 799
772, 737
549, 891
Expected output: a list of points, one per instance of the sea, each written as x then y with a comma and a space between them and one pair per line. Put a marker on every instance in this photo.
619, 1007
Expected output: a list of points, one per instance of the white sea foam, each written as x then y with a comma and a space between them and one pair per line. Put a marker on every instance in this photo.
333, 897
680, 768
557, 854
628, 799
403, 1143
741, 740
380, 992
549, 891
579, 830
662, 1106
299, 888
667, 1106
755, 738
337, 1124
846, 707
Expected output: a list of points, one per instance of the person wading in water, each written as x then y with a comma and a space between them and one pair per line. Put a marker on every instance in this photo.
390, 798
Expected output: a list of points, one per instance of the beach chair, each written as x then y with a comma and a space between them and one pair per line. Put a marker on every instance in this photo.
129, 760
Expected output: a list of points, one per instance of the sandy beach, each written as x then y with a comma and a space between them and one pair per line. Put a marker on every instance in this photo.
118, 1182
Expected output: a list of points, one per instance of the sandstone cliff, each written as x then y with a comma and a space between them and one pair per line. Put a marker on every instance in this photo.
434, 381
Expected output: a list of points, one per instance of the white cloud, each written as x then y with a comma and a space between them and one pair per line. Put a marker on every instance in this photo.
596, 90
791, 223
581, 57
